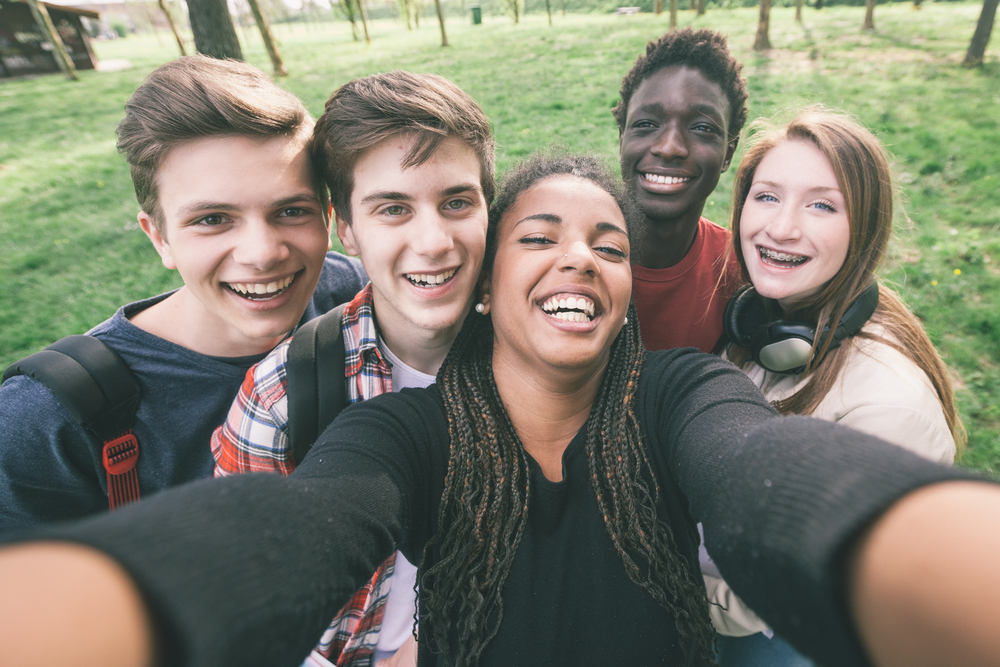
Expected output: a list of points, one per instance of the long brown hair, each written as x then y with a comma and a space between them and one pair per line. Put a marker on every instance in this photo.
862, 169
484, 507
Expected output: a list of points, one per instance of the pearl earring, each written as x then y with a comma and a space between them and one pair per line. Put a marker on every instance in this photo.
480, 308
625, 322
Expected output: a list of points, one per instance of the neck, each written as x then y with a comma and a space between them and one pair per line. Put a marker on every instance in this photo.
201, 331
547, 408
421, 349
665, 243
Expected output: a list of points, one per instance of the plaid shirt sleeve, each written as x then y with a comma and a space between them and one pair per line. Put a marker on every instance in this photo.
255, 435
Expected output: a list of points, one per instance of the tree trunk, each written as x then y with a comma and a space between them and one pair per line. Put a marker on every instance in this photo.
44, 21
701, 7
173, 27
564, 7
269, 43
798, 11
980, 38
364, 20
549, 10
673, 14
347, 8
693, 5
762, 43
444, 35
658, 7
869, 23
916, 4
212, 26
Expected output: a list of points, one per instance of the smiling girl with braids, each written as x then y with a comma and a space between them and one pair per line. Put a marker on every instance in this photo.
548, 486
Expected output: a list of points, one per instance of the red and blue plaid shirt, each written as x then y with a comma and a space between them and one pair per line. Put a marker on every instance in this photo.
255, 439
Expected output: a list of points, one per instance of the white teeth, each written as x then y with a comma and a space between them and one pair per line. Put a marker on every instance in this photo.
766, 253
665, 180
262, 288
428, 279
572, 308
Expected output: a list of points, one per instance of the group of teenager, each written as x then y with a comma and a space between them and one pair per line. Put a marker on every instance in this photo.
540, 493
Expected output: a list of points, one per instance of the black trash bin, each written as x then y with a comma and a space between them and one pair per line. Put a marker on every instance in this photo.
477, 14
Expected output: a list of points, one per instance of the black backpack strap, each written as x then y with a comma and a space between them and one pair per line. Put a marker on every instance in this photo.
99, 391
314, 374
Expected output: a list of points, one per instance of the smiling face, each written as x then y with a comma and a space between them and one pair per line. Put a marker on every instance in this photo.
420, 233
561, 283
245, 230
675, 145
794, 230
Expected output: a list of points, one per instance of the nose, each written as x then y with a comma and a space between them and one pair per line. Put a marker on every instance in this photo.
671, 144
259, 244
432, 235
579, 257
784, 224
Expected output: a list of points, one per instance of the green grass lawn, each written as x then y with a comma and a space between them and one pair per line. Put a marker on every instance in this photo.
71, 251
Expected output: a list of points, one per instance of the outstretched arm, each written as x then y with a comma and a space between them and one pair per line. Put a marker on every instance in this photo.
63, 600
924, 580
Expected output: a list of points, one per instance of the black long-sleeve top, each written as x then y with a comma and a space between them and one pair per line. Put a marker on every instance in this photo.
248, 570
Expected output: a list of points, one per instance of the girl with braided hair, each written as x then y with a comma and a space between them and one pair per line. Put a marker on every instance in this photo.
548, 486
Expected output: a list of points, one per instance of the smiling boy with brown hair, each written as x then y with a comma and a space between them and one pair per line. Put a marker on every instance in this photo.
219, 156
409, 161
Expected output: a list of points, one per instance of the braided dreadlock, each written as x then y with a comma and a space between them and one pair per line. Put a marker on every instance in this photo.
484, 507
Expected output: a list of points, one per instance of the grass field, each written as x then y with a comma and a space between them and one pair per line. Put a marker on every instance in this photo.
71, 251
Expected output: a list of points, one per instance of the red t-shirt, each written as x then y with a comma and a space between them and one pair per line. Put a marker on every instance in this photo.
680, 306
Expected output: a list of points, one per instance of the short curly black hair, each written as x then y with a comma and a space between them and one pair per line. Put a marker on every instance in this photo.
704, 50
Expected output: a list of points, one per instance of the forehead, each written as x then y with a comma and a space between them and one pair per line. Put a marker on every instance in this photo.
796, 162
380, 168
575, 201
236, 170
680, 87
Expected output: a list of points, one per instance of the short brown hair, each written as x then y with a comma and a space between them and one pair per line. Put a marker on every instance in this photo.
196, 97
364, 112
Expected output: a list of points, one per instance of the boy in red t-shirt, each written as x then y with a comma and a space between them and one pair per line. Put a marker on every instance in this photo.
682, 107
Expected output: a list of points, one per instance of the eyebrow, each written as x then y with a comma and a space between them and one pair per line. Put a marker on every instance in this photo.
556, 220
815, 188
208, 205
384, 195
705, 109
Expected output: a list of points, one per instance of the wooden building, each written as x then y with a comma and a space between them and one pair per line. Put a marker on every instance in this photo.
24, 49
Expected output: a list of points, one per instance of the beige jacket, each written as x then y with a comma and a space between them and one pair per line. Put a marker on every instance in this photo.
881, 392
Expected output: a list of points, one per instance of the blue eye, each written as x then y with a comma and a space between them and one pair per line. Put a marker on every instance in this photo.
765, 196
826, 206
611, 250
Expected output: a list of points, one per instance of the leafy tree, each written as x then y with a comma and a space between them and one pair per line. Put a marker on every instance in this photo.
869, 23
444, 36
173, 26
212, 26
269, 42
981, 37
673, 14
762, 43
349, 11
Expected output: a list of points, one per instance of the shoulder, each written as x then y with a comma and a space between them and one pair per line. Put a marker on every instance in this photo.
697, 381
883, 392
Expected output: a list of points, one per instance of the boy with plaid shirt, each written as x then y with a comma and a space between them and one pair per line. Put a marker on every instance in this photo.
409, 162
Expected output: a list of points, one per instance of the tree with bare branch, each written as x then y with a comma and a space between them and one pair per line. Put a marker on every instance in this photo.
269, 42
981, 37
444, 35
47, 28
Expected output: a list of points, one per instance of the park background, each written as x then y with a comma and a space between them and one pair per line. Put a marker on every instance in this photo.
71, 251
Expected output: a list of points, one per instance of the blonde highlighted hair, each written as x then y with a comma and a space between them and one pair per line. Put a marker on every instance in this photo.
862, 170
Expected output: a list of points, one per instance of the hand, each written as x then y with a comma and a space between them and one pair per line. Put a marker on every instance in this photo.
405, 655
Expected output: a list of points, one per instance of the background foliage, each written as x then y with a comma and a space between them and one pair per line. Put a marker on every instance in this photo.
71, 251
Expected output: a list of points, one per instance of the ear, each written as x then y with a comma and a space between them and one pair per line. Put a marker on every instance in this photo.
729, 153
485, 285
345, 232
148, 226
